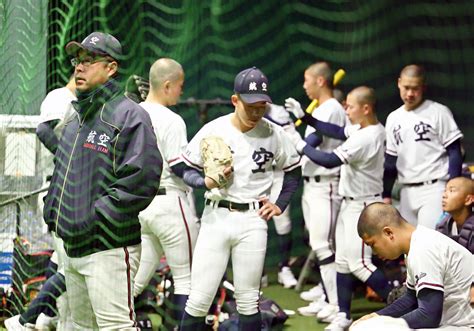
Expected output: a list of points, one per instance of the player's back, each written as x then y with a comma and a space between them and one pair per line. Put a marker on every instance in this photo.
330, 111
170, 131
56, 106
437, 262
363, 157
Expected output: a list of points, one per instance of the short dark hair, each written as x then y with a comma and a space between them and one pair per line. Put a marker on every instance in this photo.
414, 70
376, 216
322, 69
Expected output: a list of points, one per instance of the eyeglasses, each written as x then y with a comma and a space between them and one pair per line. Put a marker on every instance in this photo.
87, 61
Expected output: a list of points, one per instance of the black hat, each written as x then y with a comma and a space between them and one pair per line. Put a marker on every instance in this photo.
252, 86
99, 43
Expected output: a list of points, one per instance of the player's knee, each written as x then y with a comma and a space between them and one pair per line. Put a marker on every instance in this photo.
323, 253
183, 288
247, 302
283, 228
198, 304
362, 272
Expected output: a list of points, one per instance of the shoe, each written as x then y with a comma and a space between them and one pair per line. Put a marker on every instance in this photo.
328, 313
286, 278
45, 322
313, 308
339, 323
264, 281
13, 324
313, 294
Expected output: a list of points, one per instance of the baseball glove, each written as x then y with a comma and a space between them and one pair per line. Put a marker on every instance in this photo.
396, 293
216, 156
137, 88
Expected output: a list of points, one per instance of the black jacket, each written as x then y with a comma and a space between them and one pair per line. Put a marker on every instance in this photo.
466, 233
108, 169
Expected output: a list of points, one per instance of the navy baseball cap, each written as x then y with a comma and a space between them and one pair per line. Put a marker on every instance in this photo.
98, 43
252, 86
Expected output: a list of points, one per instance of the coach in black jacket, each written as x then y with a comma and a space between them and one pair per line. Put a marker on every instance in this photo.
107, 170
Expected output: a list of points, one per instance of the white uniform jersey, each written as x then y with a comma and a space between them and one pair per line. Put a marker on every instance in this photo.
254, 153
363, 157
419, 138
56, 106
330, 111
437, 262
170, 131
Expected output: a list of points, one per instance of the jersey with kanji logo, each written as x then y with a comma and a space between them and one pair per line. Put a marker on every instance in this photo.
253, 152
437, 262
418, 138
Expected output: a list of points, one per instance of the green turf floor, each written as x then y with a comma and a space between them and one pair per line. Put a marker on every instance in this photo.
289, 299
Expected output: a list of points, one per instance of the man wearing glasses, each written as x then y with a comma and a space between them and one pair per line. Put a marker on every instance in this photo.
107, 170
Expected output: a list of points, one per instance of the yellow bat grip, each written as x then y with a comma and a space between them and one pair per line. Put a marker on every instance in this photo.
338, 76
309, 110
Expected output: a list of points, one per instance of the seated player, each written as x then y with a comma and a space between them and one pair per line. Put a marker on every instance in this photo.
439, 271
458, 199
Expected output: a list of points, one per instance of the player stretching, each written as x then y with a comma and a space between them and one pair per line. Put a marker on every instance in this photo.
321, 201
168, 224
234, 223
423, 149
361, 157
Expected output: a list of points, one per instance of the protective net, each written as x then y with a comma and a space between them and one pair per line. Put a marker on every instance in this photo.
213, 40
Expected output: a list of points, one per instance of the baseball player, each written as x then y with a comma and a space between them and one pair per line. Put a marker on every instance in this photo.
423, 149
168, 225
458, 199
439, 270
278, 115
233, 223
320, 200
55, 111
361, 156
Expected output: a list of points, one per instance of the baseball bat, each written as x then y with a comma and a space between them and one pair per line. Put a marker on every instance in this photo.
338, 76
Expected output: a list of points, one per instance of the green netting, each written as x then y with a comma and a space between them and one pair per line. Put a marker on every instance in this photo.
215, 39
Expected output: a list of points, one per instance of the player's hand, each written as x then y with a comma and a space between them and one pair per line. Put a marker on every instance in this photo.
293, 106
211, 183
268, 210
365, 317
387, 200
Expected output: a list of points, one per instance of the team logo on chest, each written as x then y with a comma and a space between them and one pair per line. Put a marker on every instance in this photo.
101, 145
421, 129
260, 158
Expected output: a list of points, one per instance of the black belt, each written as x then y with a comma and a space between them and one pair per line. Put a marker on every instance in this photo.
234, 206
316, 178
422, 183
361, 198
161, 191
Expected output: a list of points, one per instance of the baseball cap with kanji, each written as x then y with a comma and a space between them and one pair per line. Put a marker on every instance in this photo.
252, 86
99, 43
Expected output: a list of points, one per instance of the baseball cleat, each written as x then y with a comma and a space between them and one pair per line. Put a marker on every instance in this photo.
313, 294
286, 278
313, 308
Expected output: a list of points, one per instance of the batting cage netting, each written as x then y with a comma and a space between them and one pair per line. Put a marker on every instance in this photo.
213, 40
